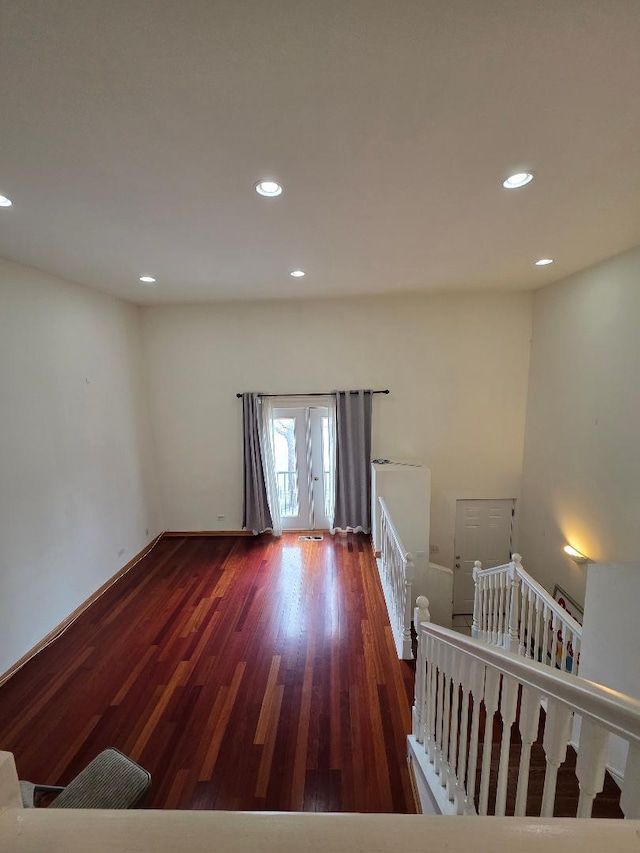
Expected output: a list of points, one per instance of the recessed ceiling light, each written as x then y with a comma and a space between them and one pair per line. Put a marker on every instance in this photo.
520, 179
543, 262
147, 279
297, 273
5, 202
270, 189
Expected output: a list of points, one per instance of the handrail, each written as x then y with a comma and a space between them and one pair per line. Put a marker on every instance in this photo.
396, 576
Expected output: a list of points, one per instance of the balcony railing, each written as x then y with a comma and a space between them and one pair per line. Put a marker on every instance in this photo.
287, 482
288, 492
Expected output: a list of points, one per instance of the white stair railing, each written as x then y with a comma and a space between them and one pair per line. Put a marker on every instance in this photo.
456, 676
397, 571
512, 610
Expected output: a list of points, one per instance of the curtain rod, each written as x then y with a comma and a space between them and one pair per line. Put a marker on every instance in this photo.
314, 394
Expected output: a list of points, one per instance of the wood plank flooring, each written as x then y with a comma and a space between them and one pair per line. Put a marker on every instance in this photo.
243, 673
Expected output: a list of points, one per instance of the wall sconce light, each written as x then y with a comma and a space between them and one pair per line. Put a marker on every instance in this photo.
575, 555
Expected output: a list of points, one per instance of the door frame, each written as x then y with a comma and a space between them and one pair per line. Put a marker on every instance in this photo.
311, 484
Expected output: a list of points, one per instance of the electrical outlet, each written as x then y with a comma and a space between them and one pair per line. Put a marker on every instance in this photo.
146, 532
120, 552
434, 549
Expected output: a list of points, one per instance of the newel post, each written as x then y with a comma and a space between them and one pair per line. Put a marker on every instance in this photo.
420, 614
475, 626
511, 641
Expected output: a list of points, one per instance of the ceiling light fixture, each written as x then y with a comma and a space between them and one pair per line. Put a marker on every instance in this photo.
147, 279
5, 202
543, 262
297, 273
520, 179
270, 189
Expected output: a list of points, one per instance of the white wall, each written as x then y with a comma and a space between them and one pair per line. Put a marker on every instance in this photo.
581, 476
457, 368
609, 652
75, 467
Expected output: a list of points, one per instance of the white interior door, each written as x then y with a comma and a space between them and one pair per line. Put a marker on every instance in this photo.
302, 459
483, 532
322, 467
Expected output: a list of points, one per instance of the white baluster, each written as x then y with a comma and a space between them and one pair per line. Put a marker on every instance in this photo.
539, 652
487, 593
486, 618
496, 610
433, 701
452, 782
554, 644
420, 615
409, 575
522, 649
508, 705
487, 588
590, 764
546, 639
501, 610
567, 644
483, 599
577, 642
427, 714
571, 653
439, 709
476, 683
530, 608
495, 598
491, 690
465, 681
444, 774
557, 729
475, 627
418, 718
528, 725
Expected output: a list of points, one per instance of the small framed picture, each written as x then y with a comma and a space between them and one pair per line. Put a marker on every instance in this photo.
567, 603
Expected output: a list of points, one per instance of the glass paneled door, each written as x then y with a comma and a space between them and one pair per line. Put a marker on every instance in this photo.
304, 469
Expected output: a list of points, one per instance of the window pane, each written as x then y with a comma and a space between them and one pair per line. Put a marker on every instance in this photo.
327, 473
284, 446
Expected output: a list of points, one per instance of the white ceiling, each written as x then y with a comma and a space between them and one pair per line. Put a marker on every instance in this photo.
133, 131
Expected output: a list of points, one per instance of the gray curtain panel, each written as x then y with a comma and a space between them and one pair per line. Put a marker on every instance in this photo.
256, 515
353, 458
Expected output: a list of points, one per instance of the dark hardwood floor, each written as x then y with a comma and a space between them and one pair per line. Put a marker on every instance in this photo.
243, 673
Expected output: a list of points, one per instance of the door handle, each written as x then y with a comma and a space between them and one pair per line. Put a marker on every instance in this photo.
457, 565
316, 479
